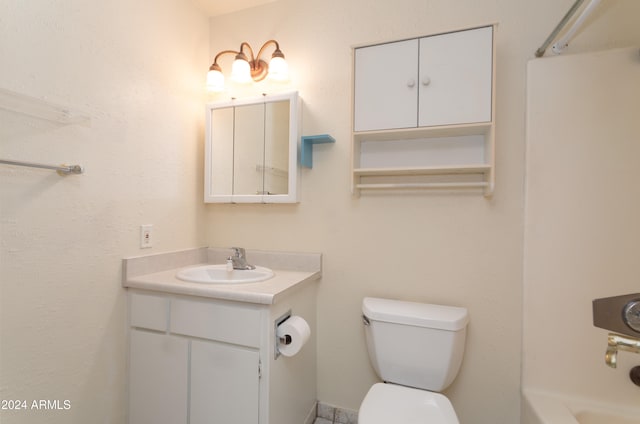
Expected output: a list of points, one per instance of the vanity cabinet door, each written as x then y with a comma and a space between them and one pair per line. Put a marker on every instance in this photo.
158, 378
385, 86
224, 384
455, 78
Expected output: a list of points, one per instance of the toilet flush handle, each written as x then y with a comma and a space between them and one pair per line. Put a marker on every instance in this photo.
365, 320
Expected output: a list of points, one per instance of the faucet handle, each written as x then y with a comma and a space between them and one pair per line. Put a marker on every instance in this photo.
238, 252
617, 342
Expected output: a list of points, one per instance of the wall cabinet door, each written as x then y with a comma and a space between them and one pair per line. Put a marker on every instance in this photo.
157, 378
385, 86
455, 78
224, 384
438, 80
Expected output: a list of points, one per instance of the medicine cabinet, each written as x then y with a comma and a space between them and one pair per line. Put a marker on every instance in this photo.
427, 122
251, 150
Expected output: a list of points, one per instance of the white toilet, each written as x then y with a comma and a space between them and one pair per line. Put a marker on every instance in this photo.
416, 349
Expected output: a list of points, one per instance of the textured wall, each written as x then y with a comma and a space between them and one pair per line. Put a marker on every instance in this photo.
136, 70
582, 231
433, 247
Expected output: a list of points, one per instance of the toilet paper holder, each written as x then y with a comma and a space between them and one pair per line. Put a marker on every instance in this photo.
285, 340
280, 340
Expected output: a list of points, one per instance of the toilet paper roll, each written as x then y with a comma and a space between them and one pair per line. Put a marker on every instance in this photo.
294, 330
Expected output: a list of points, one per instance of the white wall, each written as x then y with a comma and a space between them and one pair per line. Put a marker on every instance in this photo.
136, 68
452, 249
582, 208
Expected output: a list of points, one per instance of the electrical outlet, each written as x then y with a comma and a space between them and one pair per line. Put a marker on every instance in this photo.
146, 236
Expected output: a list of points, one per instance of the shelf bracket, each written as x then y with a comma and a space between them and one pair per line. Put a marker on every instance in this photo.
306, 155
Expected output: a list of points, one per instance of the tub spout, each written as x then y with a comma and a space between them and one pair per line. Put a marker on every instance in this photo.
617, 342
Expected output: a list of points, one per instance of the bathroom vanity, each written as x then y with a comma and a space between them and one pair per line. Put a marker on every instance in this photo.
203, 353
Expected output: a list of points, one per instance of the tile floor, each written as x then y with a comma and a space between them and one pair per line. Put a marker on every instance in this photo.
328, 414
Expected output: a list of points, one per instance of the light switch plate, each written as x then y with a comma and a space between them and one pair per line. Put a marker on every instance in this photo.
146, 236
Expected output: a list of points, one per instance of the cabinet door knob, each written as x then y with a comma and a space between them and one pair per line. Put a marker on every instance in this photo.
411, 83
426, 80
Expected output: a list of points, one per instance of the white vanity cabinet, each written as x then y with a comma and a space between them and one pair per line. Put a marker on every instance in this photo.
424, 107
194, 361
197, 360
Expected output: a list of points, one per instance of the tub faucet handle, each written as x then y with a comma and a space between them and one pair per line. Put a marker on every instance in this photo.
615, 343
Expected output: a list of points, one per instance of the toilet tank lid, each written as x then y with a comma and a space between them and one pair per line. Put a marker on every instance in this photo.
451, 318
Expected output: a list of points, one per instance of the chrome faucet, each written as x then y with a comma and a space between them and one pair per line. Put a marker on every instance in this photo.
617, 342
239, 259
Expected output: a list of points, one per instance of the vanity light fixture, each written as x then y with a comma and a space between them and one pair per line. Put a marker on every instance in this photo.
245, 69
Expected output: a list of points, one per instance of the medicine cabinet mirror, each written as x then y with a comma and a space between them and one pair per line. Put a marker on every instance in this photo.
251, 151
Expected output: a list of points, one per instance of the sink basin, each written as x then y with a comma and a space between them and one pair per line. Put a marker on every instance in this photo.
218, 274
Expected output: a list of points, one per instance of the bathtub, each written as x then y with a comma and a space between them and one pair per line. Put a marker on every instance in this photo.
549, 408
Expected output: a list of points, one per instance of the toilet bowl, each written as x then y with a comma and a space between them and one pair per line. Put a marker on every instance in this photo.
390, 403
417, 350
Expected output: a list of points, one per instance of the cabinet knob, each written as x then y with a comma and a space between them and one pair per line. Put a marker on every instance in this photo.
426, 80
411, 83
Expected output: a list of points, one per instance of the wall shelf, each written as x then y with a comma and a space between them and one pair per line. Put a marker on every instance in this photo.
476, 128
456, 157
38, 108
306, 153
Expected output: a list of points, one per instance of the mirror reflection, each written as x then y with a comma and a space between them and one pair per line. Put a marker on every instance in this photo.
276, 158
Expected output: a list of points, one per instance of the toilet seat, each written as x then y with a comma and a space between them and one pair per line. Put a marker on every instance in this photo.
390, 403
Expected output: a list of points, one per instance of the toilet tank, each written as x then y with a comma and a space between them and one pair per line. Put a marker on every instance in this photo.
415, 344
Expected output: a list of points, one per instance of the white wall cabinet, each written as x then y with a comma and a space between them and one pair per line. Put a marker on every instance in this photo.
199, 360
423, 112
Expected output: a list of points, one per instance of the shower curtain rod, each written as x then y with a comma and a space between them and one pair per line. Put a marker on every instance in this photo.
559, 27
61, 170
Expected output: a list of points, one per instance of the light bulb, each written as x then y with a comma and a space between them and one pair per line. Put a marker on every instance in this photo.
241, 71
215, 81
278, 69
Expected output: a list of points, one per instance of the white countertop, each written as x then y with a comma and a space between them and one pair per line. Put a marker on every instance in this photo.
292, 276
